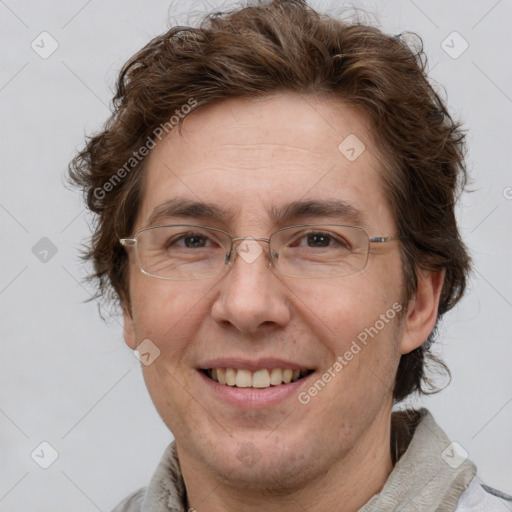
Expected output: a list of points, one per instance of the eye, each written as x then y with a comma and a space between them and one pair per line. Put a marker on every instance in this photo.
192, 241
318, 240
321, 239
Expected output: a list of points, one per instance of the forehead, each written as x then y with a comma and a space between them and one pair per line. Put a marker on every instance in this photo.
252, 157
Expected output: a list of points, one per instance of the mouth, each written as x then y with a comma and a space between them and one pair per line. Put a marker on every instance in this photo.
260, 379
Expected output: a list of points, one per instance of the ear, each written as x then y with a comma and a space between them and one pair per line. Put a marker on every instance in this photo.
422, 310
129, 329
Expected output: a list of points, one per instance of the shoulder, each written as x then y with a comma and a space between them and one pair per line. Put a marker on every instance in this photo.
133, 503
482, 498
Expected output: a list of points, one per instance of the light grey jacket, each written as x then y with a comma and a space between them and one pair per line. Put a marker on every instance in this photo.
432, 475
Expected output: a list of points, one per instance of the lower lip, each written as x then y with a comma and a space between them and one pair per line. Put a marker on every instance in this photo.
253, 397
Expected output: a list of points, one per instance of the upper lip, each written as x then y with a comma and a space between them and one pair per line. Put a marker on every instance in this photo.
240, 363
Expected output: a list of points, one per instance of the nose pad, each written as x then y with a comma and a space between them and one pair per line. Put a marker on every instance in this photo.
249, 249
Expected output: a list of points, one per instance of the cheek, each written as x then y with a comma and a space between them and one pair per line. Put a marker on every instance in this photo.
167, 312
344, 307
358, 324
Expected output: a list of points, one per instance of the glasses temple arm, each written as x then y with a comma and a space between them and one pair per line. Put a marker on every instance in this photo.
127, 241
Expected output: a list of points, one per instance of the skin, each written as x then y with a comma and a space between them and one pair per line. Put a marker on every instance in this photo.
333, 453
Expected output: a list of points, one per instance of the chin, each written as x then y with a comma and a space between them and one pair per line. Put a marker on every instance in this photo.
266, 461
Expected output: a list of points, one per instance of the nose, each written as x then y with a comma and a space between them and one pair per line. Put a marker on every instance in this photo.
251, 294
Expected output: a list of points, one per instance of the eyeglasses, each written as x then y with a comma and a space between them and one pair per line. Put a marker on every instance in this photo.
186, 252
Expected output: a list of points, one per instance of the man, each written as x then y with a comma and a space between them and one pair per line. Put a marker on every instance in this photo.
275, 194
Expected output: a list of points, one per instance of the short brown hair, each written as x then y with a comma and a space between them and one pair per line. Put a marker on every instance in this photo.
278, 46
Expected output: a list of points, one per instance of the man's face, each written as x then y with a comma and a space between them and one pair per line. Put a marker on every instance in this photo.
248, 156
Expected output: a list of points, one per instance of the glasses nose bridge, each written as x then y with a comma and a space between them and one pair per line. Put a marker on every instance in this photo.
250, 238
229, 259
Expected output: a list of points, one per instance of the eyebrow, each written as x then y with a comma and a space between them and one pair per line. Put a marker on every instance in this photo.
334, 208
181, 207
337, 209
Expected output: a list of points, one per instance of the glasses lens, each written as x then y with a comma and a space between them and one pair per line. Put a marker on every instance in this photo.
182, 252
320, 251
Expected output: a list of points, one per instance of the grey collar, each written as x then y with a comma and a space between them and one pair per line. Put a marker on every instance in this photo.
430, 476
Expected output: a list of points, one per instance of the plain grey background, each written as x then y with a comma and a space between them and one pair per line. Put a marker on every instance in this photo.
67, 377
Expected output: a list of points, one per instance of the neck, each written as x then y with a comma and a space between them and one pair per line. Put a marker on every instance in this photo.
344, 486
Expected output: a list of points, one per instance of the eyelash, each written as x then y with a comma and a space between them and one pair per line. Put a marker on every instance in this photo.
299, 237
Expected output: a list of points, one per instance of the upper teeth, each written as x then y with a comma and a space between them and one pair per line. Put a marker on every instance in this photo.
259, 379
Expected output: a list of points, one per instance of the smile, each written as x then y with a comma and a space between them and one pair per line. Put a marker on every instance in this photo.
259, 379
